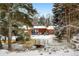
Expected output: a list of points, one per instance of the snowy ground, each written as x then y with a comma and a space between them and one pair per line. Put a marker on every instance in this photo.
57, 49
62, 52
44, 39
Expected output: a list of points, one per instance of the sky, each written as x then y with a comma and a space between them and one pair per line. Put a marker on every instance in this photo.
43, 8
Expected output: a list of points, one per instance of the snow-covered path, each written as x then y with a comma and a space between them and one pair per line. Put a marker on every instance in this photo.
56, 49
37, 53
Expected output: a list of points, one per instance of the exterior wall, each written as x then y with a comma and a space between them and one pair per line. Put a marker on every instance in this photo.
40, 31
50, 31
43, 31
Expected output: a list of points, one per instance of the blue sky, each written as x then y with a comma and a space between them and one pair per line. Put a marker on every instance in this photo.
43, 8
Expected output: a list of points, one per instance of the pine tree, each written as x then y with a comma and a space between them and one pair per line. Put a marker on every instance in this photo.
66, 14
13, 15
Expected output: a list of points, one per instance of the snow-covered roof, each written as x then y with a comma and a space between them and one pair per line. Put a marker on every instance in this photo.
39, 27
29, 27
50, 27
24, 27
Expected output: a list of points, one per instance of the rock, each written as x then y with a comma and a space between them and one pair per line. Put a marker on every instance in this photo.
50, 53
41, 54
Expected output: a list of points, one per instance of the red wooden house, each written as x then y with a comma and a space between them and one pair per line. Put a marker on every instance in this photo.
43, 30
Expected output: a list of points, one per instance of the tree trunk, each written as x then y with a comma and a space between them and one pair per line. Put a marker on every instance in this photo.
9, 34
69, 34
1, 46
9, 38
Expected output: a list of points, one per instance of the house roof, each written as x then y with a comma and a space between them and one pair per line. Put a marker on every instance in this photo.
50, 27
39, 27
